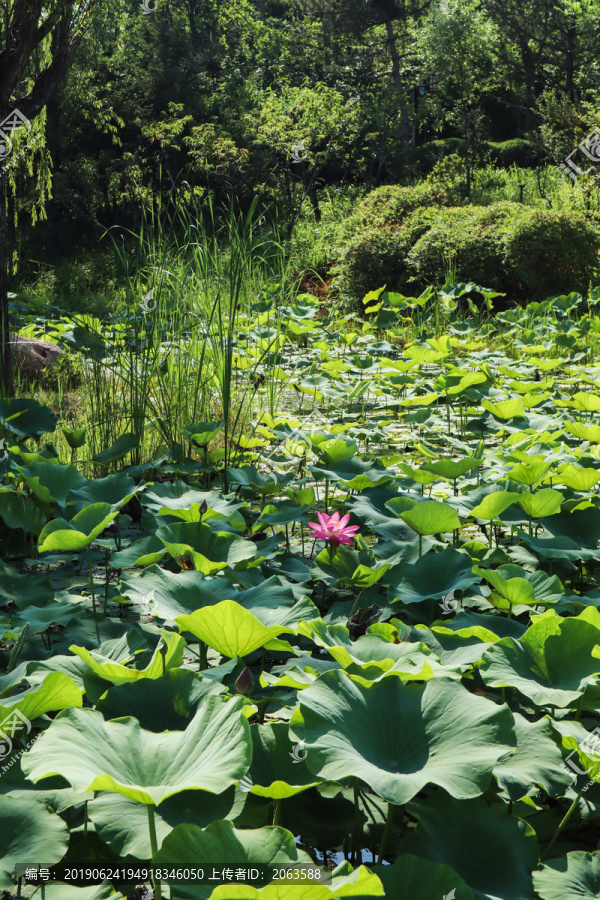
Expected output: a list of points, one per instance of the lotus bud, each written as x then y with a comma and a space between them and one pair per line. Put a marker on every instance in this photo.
245, 682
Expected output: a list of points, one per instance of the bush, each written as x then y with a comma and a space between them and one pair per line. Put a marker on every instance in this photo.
376, 244
390, 204
552, 253
528, 253
433, 151
472, 236
516, 152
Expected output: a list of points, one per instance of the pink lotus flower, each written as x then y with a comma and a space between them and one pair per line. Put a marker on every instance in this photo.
333, 529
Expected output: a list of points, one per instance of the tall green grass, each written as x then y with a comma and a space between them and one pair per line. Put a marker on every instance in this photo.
184, 343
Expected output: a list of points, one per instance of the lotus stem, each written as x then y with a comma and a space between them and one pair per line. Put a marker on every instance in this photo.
564, 821
92, 579
203, 655
386, 831
356, 841
154, 848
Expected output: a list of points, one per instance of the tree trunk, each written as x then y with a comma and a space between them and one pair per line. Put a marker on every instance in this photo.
5, 349
52, 234
570, 63
405, 129
192, 21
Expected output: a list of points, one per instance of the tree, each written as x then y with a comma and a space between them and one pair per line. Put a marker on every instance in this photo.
457, 42
307, 128
31, 30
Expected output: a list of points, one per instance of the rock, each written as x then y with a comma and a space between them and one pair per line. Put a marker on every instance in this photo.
32, 356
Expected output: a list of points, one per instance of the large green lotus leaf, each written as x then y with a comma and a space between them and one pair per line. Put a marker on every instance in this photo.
123, 824
162, 704
285, 513
80, 532
26, 417
250, 477
584, 432
421, 476
168, 654
556, 547
67, 665
372, 655
537, 760
459, 647
18, 511
208, 550
230, 629
24, 589
212, 753
496, 624
114, 489
224, 845
452, 468
546, 588
551, 663
528, 473
414, 878
493, 505
12, 679
431, 577
575, 876
29, 832
359, 884
431, 517
182, 508
202, 433
581, 526
586, 402
121, 447
144, 552
89, 631
463, 834
173, 594
335, 450
51, 482
398, 737
514, 591
57, 691
370, 509
577, 477
341, 563
538, 504
418, 664
272, 601
275, 772
355, 474
177, 495
505, 409
40, 618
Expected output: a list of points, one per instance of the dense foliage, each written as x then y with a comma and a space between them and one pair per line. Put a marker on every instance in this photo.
204, 681
299, 509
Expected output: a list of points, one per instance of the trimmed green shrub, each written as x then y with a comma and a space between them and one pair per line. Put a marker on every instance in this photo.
516, 152
433, 151
376, 244
529, 254
551, 253
390, 204
473, 237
